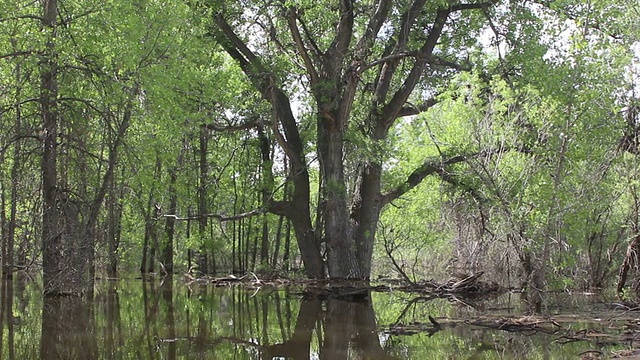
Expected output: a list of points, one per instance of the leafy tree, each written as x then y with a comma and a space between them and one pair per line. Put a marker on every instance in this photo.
549, 107
361, 68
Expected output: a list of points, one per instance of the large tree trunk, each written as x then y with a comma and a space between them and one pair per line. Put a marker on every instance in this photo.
297, 210
365, 213
341, 259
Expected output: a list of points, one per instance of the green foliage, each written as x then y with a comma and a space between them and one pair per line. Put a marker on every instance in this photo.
538, 115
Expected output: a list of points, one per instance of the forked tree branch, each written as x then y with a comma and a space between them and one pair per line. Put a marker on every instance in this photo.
431, 166
292, 19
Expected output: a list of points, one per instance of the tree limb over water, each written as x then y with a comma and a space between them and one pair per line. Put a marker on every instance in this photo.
437, 166
221, 218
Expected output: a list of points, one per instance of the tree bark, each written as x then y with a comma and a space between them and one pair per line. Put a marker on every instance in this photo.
9, 245
170, 225
52, 258
267, 180
201, 254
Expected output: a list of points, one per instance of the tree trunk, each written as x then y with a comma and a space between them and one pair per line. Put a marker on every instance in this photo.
4, 231
286, 255
146, 261
341, 260
631, 261
68, 222
170, 225
115, 231
112, 223
152, 213
9, 244
365, 212
168, 245
52, 258
297, 210
278, 241
267, 185
201, 254
632, 256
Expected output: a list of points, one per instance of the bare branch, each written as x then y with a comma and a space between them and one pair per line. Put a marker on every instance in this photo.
392, 57
429, 167
392, 108
264, 82
385, 75
16, 54
340, 44
309, 37
411, 109
433, 60
297, 38
438, 166
19, 103
424, 56
86, 102
19, 17
230, 128
373, 28
408, 19
236, 42
221, 218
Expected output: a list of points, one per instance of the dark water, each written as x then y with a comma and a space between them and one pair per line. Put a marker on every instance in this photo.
132, 319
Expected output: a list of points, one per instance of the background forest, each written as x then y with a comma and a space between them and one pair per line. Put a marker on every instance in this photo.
346, 139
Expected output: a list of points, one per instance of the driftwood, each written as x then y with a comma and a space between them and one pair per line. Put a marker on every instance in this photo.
468, 283
468, 286
523, 324
631, 261
461, 289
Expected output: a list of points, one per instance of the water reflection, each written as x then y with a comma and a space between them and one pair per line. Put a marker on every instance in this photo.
167, 320
6, 317
68, 330
349, 329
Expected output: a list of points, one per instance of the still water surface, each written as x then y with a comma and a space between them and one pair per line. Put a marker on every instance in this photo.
132, 319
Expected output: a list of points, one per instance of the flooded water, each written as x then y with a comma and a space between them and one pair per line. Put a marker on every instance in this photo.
132, 319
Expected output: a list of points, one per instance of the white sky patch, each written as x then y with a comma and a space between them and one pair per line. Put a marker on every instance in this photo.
491, 44
633, 71
559, 41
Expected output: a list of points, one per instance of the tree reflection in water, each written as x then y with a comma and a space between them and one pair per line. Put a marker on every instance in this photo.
348, 326
68, 330
134, 319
